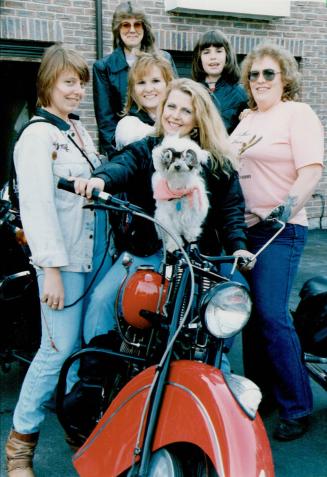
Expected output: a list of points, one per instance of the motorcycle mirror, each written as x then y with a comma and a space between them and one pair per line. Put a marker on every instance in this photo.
15, 285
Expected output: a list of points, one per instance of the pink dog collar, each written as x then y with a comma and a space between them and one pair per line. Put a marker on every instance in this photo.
163, 192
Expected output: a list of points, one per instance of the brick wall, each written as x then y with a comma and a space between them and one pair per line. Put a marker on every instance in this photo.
73, 22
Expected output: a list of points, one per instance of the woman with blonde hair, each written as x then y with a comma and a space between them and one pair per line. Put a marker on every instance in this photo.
132, 33
281, 150
186, 110
148, 79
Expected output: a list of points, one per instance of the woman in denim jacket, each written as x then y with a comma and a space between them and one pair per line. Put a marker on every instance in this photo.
67, 242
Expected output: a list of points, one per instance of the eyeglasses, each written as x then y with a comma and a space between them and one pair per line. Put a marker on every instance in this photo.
268, 74
126, 26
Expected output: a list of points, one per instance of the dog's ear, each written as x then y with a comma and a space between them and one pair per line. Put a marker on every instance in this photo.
167, 155
190, 157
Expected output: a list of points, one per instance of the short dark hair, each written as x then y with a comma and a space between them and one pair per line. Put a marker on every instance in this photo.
127, 10
216, 38
55, 60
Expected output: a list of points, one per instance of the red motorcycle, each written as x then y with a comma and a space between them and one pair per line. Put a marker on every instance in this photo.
164, 407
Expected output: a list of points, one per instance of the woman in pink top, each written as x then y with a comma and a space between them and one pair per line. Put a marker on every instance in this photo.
280, 147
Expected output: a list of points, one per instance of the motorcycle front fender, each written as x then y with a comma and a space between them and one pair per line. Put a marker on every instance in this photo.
197, 408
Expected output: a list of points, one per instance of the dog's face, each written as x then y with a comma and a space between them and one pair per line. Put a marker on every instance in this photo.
178, 155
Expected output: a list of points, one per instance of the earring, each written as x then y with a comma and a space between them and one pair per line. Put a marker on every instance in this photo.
194, 133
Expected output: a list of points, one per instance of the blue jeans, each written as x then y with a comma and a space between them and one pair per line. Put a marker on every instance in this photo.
271, 348
100, 314
61, 336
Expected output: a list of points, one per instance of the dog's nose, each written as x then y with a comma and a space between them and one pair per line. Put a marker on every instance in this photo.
177, 167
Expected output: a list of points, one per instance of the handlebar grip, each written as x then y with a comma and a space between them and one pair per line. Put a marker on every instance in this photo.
66, 185
100, 196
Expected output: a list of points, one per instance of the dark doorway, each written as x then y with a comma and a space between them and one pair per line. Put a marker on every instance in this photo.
183, 62
19, 64
17, 99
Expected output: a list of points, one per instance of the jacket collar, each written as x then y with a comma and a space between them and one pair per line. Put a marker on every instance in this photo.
55, 120
141, 114
221, 83
117, 60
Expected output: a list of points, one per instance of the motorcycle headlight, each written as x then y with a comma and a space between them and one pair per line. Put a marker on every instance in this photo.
226, 309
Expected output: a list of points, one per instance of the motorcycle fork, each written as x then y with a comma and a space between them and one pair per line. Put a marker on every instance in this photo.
156, 399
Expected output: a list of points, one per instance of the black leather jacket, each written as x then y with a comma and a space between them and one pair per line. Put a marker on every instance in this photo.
110, 75
230, 100
131, 171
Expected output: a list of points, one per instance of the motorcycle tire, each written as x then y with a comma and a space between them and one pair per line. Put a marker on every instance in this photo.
167, 462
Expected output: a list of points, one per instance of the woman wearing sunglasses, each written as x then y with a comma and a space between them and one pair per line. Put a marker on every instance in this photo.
131, 33
280, 147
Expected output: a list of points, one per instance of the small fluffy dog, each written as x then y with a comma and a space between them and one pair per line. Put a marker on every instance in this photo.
181, 199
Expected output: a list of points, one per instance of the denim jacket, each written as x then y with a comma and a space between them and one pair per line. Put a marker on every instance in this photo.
58, 230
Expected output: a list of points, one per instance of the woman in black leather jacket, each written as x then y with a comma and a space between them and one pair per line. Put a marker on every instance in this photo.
186, 110
131, 33
215, 66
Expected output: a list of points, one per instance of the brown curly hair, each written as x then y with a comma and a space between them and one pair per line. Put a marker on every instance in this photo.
288, 66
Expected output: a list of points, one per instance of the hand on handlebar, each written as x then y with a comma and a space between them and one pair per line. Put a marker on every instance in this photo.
280, 213
246, 259
85, 187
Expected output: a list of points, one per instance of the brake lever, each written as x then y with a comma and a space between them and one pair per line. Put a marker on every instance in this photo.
282, 227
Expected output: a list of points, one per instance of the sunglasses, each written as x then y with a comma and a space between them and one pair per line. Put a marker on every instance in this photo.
126, 26
268, 74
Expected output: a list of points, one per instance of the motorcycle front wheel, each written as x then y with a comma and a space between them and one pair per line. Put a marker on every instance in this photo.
164, 463
167, 462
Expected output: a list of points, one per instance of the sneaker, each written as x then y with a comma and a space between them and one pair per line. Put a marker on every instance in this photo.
290, 429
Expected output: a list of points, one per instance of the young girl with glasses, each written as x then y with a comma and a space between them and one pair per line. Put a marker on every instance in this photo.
131, 33
215, 66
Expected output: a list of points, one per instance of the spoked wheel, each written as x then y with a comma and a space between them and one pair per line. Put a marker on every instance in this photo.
170, 462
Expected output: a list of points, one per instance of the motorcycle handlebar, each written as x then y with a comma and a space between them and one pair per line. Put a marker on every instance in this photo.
100, 196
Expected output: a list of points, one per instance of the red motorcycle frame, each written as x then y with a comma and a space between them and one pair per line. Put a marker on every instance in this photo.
179, 414
193, 389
